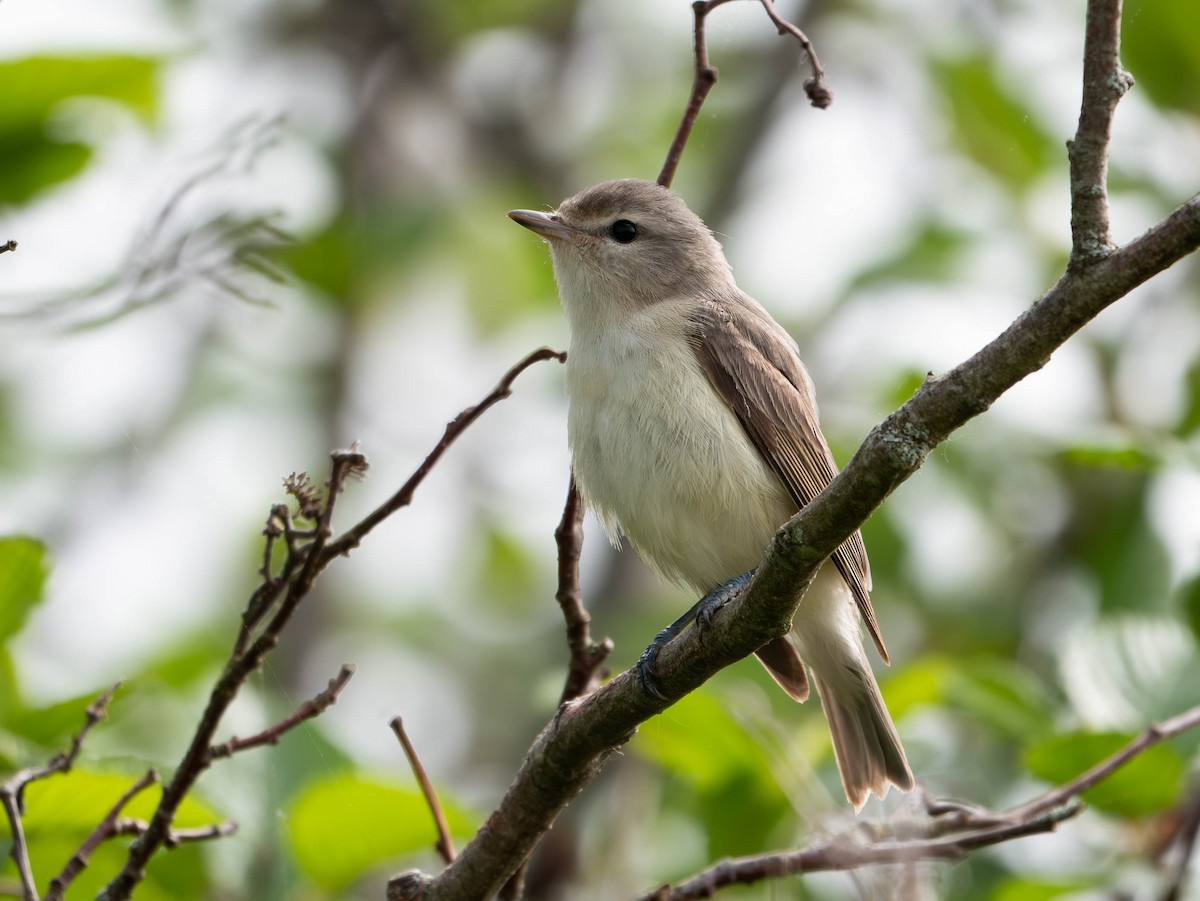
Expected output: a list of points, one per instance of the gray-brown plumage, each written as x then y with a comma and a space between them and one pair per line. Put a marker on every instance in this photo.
694, 432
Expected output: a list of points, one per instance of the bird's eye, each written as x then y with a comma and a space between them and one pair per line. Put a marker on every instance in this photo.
623, 231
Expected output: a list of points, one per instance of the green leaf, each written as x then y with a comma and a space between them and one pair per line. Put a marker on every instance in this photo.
52, 726
23, 569
920, 682
34, 157
1118, 456
73, 803
344, 825
1038, 889
37, 84
929, 256
1189, 422
734, 792
1159, 46
698, 740
996, 131
1151, 782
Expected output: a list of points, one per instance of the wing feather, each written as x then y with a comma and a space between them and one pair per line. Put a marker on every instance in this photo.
755, 367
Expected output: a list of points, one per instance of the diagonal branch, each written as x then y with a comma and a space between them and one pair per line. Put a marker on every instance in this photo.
456, 427
310, 709
445, 842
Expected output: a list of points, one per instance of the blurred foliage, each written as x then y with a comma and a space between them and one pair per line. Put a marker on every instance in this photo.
35, 147
1024, 652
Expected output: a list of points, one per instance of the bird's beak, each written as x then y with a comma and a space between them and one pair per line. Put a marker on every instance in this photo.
548, 225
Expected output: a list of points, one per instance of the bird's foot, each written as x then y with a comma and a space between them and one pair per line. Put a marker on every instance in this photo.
700, 614
707, 607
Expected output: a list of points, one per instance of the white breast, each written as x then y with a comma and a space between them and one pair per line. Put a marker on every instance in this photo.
659, 455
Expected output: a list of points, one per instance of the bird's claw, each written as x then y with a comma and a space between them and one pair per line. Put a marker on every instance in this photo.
701, 616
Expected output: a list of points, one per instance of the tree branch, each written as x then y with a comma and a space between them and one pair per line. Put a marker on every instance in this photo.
1104, 83
949, 833
310, 709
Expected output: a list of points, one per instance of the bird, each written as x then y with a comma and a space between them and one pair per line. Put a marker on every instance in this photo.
694, 433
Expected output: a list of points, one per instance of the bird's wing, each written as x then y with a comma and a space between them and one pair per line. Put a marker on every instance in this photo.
755, 368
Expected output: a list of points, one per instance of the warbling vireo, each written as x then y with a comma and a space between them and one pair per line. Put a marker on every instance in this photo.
693, 431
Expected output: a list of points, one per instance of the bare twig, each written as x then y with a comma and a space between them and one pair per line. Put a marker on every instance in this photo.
12, 791
402, 498
587, 656
846, 852
310, 709
104, 830
1104, 83
445, 844
702, 82
8, 246
1154, 734
705, 76
819, 93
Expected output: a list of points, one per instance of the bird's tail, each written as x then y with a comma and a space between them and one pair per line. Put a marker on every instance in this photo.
826, 633
865, 744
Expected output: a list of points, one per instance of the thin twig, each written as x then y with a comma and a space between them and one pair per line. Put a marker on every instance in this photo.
104, 830
402, 498
310, 709
703, 79
125, 827
12, 791
445, 844
705, 76
8, 245
1153, 735
819, 93
587, 656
